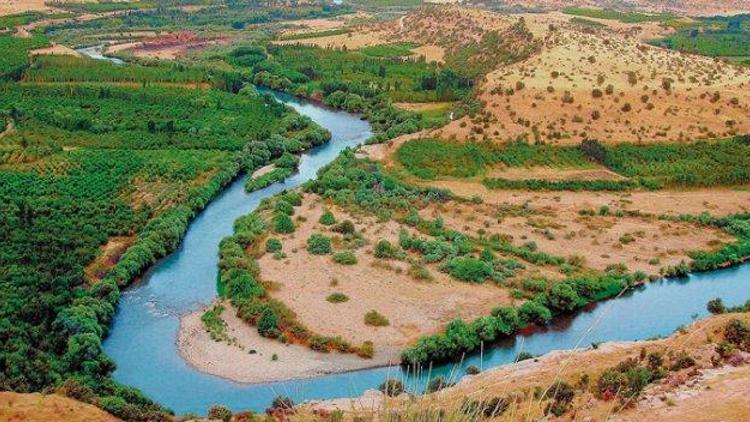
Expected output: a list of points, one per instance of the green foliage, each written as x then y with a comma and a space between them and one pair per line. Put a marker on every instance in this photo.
469, 269
268, 324
315, 34
460, 337
337, 298
273, 245
431, 158
88, 162
15, 57
51, 68
611, 14
345, 258
737, 332
626, 380
700, 163
318, 244
275, 175
327, 219
561, 185
9, 22
718, 36
282, 223
375, 319
214, 324
219, 412
384, 249
401, 49
117, 117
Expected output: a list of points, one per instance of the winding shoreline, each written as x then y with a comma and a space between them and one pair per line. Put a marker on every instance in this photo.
237, 362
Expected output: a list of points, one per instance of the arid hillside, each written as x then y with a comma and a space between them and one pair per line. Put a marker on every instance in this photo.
697, 377
605, 84
679, 7
16, 407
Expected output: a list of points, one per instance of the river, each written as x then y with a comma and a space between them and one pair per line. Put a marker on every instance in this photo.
142, 338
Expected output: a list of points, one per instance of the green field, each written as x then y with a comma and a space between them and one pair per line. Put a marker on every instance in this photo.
718, 163
316, 34
433, 158
713, 36
15, 54
611, 14
87, 160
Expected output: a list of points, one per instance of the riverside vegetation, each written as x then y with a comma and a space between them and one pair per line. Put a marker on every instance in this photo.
86, 161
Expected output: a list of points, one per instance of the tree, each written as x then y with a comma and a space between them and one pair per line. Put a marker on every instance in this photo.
716, 306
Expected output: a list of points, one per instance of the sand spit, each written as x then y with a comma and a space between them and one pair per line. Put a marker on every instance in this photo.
239, 363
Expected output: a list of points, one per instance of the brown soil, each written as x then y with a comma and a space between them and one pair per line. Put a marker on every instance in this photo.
414, 308
359, 38
718, 201
16, 407
108, 256
598, 241
57, 49
554, 174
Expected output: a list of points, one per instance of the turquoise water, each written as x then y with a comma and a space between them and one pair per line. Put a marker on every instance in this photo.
142, 339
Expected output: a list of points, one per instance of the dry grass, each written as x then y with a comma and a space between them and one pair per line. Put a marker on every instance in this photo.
16, 407
12, 7
709, 391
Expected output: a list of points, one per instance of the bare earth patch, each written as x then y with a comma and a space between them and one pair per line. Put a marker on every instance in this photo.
56, 49
554, 174
108, 256
413, 307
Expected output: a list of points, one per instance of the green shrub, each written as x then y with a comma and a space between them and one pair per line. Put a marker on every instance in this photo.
282, 223
268, 324
535, 312
345, 258
366, 350
469, 269
737, 332
384, 249
317, 244
716, 306
344, 227
375, 319
327, 218
273, 245
219, 412
337, 298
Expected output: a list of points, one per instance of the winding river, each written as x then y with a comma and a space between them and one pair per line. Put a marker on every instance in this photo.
142, 339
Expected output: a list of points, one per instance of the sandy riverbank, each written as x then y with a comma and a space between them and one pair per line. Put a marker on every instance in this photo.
239, 364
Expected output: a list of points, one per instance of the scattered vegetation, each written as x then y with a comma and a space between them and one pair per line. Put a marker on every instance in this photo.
373, 318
